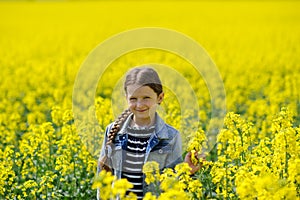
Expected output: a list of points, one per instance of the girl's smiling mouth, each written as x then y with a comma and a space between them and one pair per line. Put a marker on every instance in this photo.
142, 110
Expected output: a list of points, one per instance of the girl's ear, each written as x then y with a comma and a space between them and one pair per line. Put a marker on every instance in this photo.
160, 98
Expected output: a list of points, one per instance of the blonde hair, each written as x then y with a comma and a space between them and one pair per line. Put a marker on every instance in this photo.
144, 76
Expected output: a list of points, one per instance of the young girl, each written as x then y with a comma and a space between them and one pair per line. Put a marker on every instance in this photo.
139, 134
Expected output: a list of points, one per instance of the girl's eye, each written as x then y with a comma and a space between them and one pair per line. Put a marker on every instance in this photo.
132, 99
146, 97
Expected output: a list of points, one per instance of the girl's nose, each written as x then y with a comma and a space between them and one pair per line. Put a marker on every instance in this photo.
139, 103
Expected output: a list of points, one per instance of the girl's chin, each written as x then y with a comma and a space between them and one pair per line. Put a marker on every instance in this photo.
142, 115
142, 112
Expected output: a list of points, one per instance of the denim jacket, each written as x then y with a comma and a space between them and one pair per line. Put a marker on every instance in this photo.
164, 147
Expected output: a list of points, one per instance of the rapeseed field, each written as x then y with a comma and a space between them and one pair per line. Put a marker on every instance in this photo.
254, 46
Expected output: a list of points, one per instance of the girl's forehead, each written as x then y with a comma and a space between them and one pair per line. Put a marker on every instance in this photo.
139, 90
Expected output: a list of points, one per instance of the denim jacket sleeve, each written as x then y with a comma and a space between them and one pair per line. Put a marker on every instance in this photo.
102, 153
175, 157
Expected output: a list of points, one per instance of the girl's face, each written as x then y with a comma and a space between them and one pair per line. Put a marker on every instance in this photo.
142, 101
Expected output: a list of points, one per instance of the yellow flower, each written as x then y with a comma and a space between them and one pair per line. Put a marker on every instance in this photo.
149, 196
169, 183
182, 169
130, 196
103, 182
120, 187
195, 144
173, 194
67, 116
151, 170
193, 157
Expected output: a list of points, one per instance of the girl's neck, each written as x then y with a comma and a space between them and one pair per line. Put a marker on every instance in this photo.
143, 123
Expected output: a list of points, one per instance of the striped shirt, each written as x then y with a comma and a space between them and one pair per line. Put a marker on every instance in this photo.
134, 157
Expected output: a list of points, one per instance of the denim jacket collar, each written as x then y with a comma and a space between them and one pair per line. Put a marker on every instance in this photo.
159, 125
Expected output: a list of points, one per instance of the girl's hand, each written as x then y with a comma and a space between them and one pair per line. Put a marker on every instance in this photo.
188, 160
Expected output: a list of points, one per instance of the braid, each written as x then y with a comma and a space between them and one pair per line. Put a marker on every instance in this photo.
117, 125
103, 165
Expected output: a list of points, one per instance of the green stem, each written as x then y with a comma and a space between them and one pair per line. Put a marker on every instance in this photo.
286, 155
226, 177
